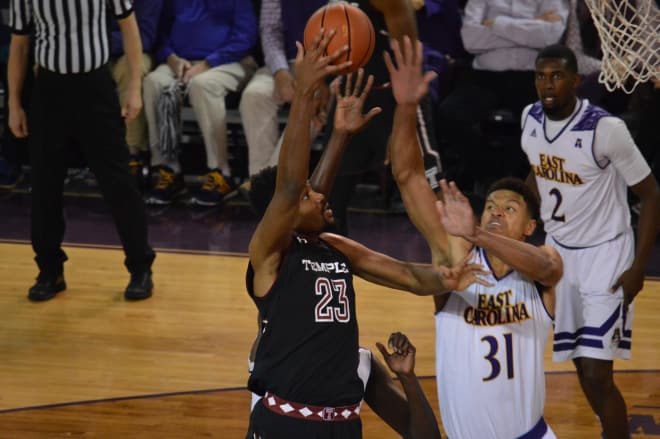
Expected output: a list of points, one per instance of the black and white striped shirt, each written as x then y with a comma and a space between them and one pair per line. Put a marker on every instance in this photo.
70, 35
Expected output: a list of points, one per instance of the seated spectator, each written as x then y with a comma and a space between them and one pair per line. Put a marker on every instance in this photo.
504, 37
281, 24
147, 13
439, 27
205, 55
11, 147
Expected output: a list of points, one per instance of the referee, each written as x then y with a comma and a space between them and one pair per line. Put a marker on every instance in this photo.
75, 101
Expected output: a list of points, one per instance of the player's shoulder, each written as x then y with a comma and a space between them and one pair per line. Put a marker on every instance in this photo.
594, 116
533, 110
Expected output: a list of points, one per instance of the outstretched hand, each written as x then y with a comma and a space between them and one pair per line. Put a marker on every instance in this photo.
402, 360
409, 83
349, 118
455, 212
312, 66
462, 275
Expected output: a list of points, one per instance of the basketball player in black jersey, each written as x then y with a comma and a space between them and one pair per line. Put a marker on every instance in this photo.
301, 282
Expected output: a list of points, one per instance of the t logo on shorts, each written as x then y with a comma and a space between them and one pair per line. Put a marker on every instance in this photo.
328, 414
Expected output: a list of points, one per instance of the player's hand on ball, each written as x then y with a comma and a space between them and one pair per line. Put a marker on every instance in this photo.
349, 118
402, 360
313, 65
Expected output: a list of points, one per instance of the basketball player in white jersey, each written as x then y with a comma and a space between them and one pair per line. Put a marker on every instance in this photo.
582, 161
490, 339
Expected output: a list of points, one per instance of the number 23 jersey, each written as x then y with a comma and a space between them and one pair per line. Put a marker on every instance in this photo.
489, 357
308, 352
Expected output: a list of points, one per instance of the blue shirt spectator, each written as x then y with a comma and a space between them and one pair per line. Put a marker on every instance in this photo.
218, 31
439, 27
147, 13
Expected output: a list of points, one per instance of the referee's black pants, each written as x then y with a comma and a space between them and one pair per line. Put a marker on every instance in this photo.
81, 109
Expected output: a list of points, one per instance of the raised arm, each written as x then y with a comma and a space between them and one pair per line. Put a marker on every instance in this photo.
542, 264
409, 85
273, 233
349, 120
409, 412
399, 17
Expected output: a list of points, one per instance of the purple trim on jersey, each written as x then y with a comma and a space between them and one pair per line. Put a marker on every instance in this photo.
485, 256
568, 122
627, 333
537, 432
592, 114
593, 153
588, 122
568, 247
624, 345
536, 111
591, 330
580, 342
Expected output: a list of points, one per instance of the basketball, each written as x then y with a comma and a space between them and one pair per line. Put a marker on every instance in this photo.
353, 28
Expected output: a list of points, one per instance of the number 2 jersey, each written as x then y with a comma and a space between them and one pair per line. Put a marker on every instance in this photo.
582, 166
308, 352
489, 357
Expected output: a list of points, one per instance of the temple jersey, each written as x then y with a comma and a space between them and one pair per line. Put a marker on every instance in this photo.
489, 357
308, 352
584, 198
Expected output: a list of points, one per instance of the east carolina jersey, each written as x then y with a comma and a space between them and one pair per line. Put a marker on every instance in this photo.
584, 202
308, 352
489, 357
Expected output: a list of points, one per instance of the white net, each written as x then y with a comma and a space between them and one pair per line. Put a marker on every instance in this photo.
629, 31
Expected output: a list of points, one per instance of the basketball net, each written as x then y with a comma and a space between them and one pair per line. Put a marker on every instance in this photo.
629, 32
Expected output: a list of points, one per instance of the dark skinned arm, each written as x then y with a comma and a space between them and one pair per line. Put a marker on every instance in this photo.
409, 412
632, 280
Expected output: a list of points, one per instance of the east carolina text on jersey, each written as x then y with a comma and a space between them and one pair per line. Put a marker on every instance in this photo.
583, 197
496, 309
490, 342
552, 168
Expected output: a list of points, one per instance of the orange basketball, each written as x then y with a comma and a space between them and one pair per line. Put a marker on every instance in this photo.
353, 29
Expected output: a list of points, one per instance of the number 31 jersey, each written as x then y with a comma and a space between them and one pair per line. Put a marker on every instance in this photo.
583, 197
489, 357
308, 352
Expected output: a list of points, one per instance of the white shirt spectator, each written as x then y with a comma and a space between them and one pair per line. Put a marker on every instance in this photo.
507, 34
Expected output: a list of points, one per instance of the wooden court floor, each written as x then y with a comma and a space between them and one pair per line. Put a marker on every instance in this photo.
88, 364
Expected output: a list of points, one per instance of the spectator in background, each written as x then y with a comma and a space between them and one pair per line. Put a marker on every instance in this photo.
281, 24
147, 14
580, 24
439, 27
504, 37
11, 147
204, 52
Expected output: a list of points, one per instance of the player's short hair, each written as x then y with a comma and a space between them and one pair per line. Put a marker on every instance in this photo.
262, 189
559, 51
520, 187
